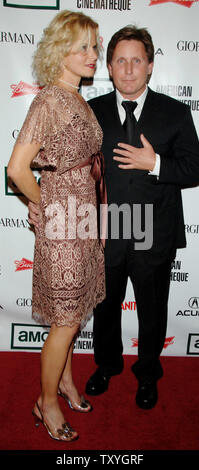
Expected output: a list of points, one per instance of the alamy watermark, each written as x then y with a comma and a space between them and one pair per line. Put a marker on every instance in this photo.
81, 221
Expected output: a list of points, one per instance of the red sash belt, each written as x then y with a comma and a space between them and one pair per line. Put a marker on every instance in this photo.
97, 171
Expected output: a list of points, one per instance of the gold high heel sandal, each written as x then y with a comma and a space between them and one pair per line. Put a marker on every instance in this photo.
67, 431
84, 407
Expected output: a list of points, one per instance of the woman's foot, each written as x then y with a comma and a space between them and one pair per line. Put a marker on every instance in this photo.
72, 397
53, 420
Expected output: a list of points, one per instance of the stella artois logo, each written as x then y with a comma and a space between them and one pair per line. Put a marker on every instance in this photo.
24, 89
134, 342
168, 342
23, 264
184, 3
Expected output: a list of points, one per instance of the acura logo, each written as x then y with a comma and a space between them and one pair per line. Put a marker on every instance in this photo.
194, 302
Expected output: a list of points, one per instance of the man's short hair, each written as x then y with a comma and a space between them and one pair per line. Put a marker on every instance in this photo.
131, 32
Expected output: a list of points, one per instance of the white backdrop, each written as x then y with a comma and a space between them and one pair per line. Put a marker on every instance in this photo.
173, 25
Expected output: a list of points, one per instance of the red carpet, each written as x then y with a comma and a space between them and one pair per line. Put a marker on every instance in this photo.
115, 423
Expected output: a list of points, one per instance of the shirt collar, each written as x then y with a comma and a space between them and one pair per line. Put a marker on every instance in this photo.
140, 100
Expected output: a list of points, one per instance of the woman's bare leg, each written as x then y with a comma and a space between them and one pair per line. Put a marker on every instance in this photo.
66, 383
54, 357
68, 388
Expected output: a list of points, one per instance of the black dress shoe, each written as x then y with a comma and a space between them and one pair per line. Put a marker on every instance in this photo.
98, 383
147, 395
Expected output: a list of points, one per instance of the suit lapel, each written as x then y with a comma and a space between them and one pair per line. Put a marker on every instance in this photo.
112, 118
144, 124
112, 121
149, 112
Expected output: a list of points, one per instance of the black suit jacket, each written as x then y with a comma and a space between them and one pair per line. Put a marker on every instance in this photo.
168, 126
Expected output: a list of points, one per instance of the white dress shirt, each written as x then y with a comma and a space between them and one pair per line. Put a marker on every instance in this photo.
122, 114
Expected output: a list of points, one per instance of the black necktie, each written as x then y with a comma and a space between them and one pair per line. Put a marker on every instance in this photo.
130, 121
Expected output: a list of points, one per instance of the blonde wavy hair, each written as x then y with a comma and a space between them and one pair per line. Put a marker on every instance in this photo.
56, 43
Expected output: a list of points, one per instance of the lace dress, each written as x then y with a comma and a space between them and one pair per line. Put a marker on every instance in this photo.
68, 271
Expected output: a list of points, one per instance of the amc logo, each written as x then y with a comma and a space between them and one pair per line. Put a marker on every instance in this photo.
24, 336
193, 344
39, 4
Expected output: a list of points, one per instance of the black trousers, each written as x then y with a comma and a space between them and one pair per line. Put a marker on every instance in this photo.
151, 288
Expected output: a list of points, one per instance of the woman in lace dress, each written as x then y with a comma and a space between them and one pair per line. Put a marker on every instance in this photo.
62, 136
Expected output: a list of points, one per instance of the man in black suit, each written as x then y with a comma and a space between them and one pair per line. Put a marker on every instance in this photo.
162, 157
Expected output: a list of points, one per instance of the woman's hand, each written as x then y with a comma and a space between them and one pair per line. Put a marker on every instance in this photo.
33, 216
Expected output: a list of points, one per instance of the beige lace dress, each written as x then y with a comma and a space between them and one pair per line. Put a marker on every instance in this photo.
68, 271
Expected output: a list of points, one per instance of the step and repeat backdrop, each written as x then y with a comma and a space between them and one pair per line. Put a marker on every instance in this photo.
173, 25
